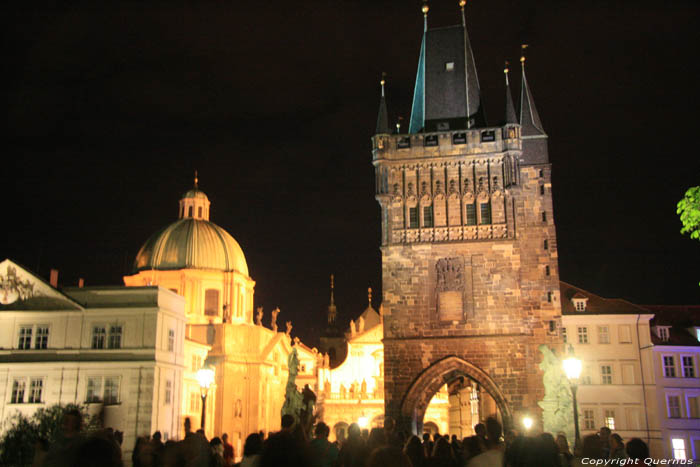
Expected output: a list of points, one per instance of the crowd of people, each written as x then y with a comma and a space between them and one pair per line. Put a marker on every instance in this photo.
378, 447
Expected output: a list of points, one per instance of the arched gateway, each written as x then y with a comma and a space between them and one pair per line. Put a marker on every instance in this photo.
445, 371
470, 279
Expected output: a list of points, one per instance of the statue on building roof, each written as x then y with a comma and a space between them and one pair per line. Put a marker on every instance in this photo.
259, 316
360, 325
273, 320
352, 328
288, 332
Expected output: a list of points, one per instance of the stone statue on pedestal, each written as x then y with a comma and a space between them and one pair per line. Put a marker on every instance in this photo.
273, 320
300, 405
557, 405
259, 316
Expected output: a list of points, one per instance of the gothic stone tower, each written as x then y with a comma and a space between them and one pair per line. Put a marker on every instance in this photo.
469, 252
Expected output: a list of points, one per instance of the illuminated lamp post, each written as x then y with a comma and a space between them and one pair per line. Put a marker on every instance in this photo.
572, 368
205, 376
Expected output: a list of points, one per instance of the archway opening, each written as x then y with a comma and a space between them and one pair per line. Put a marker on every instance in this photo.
468, 393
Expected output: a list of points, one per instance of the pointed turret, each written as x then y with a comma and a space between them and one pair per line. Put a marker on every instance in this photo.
510, 108
383, 115
331, 307
447, 94
534, 137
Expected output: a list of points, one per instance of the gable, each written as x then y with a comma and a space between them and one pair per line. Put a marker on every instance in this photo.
22, 290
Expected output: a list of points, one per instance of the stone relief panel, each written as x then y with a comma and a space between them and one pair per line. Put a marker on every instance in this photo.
453, 289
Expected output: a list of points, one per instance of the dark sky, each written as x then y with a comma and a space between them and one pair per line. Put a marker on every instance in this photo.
111, 106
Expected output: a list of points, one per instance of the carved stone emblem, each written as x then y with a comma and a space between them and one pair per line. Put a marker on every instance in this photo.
13, 288
450, 274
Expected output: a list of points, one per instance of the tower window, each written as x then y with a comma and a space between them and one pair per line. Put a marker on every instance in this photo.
189, 211
546, 245
430, 140
546, 270
471, 214
487, 136
427, 216
199, 211
541, 189
485, 213
449, 66
413, 218
544, 216
459, 138
99, 336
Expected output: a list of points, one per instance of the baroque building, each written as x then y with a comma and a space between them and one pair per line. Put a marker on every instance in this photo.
200, 261
469, 251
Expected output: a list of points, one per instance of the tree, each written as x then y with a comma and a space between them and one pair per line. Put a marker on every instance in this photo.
689, 212
18, 442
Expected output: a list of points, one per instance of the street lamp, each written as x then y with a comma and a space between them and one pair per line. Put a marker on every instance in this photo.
572, 368
527, 423
205, 376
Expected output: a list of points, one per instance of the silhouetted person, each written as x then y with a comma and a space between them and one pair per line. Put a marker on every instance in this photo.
427, 446
158, 449
548, 451
388, 456
217, 452
565, 455
493, 456
604, 434
471, 446
99, 451
442, 454
376, 439
323, 453
392, 437
617, 447
590, 449
414, 451
64, 450
229, 453
252, 449
354, 452
637, 449
287, 423
284, 449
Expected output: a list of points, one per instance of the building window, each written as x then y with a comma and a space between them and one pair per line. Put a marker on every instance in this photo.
669, 366
115, 337
541, 189
586, 380
485, 213
42, 337
171, 340
688, 366
99, 335
563, 335
582, 335
18, 387
546, 270
427, 216
674, 406
413, 217
189, 211
196, 362
199, 211
545, 245
588, 420
449, 66
211, 302
692, 404
610, 418
663, 333
471, 213
678, 445
195, 399
579, 304
94, 387
549, 297
36, 386
111, 394
25, 338
625, 334
168, 391
606, 374
603, 335
544, 216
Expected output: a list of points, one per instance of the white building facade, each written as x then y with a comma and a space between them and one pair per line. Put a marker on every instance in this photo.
119, 350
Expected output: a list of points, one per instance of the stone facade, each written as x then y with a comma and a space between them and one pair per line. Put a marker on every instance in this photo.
469, 267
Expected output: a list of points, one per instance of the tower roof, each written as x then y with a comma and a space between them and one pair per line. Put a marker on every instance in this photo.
529, 118
383, 114
447, 94
510, 108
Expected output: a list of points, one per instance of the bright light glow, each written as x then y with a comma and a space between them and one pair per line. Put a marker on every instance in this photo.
527, 422
205, 377
572, 367
678, 445
363, 422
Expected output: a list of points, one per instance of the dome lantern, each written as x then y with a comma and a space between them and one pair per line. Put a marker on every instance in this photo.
194, 204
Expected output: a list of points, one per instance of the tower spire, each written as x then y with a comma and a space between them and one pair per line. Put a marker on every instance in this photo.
425, 10
510, 108
331, 307
418, 108
369, 297
196, 179
475, 112
383, 115
529, 118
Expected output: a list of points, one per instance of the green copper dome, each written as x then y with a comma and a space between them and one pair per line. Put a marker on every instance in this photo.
191, 244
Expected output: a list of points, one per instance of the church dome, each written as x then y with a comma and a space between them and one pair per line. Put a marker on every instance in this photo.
192, 242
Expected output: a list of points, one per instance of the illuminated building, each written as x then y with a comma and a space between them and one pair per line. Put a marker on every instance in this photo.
200, 261
119, 350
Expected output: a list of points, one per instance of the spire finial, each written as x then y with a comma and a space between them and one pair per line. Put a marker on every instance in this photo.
383, 82
505, 72
462, 4
332, 287
425, 8
369, 296
196, 180
522, 53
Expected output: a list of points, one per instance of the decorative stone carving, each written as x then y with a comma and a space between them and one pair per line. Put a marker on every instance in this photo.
409, 189
557, 405
259, 316
450, 274
13, 288
453, 187
289, 328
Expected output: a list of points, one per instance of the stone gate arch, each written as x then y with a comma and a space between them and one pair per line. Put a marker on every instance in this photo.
446, 370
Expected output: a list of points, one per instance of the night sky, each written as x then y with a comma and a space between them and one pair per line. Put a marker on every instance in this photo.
111, 106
